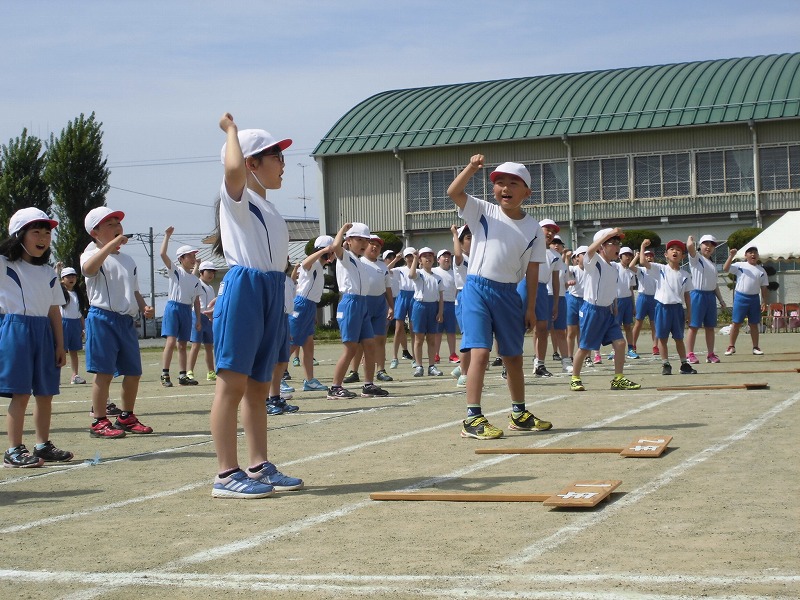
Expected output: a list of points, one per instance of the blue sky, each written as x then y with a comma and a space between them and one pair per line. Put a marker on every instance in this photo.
158, 74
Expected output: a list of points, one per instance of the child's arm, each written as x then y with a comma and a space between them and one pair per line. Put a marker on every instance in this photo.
165, 248
731, 253
690, 246
312, 258
718, 294
148, 311
198, 321
595, 246
54, 315
764, 290
336, 248
458, 255
556, 284
440, 314
456, 191
92, 266
532, 285
645, 261
412, 271
235, 169
687, 300
390, 302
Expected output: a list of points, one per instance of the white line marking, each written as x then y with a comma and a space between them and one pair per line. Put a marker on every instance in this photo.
579, 526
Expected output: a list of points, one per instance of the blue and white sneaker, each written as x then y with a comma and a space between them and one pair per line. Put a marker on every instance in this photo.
273, 408
285, 406
313, 385
296, 361
393, 364
239, 485
383, 376
286, 388
271, 477
631, 353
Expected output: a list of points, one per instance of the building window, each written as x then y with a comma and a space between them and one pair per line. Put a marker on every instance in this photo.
428, 191
662, 176
780, 168
418, 195
605, 179
587, 180
614, 172
725, 171
555, 183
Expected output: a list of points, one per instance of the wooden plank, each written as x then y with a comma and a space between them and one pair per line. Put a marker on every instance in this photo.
734, 386
647, 447
767, 371
583, 494
548, 450
458, 497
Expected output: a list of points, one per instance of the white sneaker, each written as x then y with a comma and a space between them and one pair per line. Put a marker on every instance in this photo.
419, 372
434, 372
77, 379
758, 351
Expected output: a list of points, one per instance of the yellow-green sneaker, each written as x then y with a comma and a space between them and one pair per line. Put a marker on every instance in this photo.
526, 421
211, 376
576, 385
480, 429
620, 382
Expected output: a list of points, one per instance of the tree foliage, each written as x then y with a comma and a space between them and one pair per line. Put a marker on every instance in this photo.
740, 237
22, 182
635, 237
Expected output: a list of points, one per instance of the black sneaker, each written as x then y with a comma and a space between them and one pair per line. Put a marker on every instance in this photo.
686, 369
556, 356
666, 369
286, 407
166, 381
286, 376
337, 393
370, 390
111, 410
351, 377
186, 380
19, 457
504, 374
52, 454
541, 371
407, 355
497, 362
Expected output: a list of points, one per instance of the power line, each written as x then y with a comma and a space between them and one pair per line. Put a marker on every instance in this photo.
113, 187
187, 160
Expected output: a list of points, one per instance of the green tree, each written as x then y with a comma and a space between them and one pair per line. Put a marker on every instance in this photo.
78, 178
635, 237
22, 182
740, 237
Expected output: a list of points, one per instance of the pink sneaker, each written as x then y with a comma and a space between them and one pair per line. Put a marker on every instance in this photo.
730, 350
597, 359
655, 351
712, 358
692, 358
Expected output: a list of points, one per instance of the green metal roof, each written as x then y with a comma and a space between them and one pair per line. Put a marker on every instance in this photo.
677, 95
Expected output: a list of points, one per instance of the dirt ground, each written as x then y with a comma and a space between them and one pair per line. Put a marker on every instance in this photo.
716, 516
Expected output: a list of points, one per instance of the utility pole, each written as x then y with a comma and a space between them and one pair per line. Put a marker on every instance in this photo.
302, 166
152, 274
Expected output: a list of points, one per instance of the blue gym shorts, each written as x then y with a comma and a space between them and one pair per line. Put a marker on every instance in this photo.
560, 323
449, 323
73, 332
177, 321
704, 309
351, 314
112, 345
403, 304
598, 327
574, 304
283, 342
625, 311
646, 307
302, 320
489, 307
423, 317
746, 305
206, 333
544, 302
377, 311
249, 310
29, 358
670, 320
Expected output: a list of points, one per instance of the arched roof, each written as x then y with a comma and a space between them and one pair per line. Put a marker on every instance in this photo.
639, 98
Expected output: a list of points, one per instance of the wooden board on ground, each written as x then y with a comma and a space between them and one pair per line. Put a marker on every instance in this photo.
583, 494
732, 386
767, 371
650, 447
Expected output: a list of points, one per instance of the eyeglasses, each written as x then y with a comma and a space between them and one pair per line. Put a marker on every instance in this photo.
613, 243
273, 151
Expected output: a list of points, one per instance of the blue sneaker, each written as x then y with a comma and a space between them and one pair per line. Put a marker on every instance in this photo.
270, 476
273, 408
239, 485
296, 361
286, 388
285, 406
631, 353
313, 385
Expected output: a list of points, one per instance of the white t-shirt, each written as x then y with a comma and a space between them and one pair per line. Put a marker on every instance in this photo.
288, 295
377, 277
624, 281
396, 276
749, 278
73, 308
647, 283
405, 283
704, 273
501, 247
206, 295
460, 271
448, 283
311, 283
427, 286
671, 283
600, 283
579, 276
27, 289
184, 287
546, 269
253, 232
114, 286
557, 265
350, 275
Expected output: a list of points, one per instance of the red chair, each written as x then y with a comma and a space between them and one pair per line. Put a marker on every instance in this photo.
793, 316
777, 313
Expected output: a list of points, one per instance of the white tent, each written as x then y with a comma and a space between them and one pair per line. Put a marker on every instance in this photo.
781, 240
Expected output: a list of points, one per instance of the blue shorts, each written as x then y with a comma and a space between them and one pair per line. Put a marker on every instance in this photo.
574, 304
302, 321
459, 319
670, 320
177, 321
73, 334
112, 345
249, 310
351, 314
704, 309
625, 311
560, 324
423, 317
402, 305
377, 311
746, 305
206, 333
283, 342
598, 327
29, 359
449, 323
489, 307
544, 302
646, 307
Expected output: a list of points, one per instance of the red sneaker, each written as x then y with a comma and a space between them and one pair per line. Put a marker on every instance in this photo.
655, 351
104, 429
132, 424
454, 358
436, 358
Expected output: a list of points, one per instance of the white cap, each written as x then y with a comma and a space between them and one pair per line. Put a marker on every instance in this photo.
557, 240
512, 168
376, 238
650, 251
323, 241
550, 224
253, 141
625, 250
581, 250
409, 250
207, 265
604, 233
461, 229
425, 249
98, 215
358, 230
387, 253
441, 252
185, 250
709, 238
68, 271
26, 216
